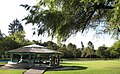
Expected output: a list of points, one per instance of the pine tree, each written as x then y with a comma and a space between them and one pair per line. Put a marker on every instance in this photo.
15, 26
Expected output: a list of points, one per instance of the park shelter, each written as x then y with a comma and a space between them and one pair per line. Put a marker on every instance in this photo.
34, 54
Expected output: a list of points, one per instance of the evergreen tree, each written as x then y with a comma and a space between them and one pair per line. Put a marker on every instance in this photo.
15, 26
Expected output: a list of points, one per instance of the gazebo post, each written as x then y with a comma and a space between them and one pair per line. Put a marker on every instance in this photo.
21, 58
11, 57
50, 59
29, 57
37, 58
58, 60
34, 59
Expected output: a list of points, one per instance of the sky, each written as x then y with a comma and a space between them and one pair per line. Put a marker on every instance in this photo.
11, 9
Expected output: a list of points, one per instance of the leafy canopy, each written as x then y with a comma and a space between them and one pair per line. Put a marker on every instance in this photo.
115, 49
62, 18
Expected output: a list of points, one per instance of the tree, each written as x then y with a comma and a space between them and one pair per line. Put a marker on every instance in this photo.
90, 45
103, 52
113, 52
1, 35
13, 41
7, 44
89, 52
19, 37
50, 45
63, 49
82, 45
15, 26
90, 49
72, 50
115, 49
17, 33
63, 18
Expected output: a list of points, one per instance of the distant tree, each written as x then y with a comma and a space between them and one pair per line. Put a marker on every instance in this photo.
113, 52
13, 41
118, 50
103, 52
37, 42
19, 37
2, 35
82, 49
15, 26
83, 53
17, 33
50, 45
78, 52
89, 50
90, 44
82, 45
72, 50
115, 49
7, 44
63, 49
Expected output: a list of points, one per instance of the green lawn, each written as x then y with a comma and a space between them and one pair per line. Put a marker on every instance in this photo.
90, 67
2, 63
81, 67
11, 71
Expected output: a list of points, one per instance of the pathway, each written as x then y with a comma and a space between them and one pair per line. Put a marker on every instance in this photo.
36, 70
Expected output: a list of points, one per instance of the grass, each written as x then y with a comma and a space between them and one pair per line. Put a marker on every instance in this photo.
11, 71
2, 63
89, 67
79, 67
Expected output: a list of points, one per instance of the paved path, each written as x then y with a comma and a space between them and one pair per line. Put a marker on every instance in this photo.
36, 70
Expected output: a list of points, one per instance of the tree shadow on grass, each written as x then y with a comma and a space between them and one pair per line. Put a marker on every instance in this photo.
68, 63
65, 68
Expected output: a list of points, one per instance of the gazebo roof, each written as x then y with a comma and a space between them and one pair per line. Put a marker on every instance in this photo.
34, 49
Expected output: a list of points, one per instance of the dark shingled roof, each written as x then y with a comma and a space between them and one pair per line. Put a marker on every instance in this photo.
34, 49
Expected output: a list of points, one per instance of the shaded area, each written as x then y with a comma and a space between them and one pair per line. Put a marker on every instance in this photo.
62, 68
1, 66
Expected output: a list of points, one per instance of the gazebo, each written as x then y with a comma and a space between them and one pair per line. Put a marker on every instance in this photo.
28, 56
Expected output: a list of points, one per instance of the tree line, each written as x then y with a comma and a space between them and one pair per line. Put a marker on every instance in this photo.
17, 39
71, 50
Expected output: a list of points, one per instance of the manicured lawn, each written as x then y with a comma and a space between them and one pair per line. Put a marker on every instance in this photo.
11, 71
2, 63
90, 67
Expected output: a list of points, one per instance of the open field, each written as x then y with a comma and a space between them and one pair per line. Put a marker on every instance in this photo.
89, 67
79, 67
